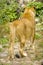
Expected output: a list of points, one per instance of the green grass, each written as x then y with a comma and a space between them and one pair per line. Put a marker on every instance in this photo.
1, 49
39, 56
40, 44
3, 40
38, 36
5, 64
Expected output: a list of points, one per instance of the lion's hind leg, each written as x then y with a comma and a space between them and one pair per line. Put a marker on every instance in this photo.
22, 46
11, 45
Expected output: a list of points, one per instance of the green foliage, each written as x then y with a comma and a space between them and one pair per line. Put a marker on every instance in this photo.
9, 10
3, 40
38, 7
38, 36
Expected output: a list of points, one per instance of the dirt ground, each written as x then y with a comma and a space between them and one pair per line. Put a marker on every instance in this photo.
33, 58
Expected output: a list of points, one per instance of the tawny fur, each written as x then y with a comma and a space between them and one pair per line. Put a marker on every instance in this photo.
24, 29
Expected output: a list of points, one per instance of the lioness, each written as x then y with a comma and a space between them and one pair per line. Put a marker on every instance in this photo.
24, 29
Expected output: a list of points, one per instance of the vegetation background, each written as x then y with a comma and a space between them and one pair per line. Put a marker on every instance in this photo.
11, 10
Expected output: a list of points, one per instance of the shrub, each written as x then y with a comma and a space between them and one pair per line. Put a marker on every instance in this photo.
9, 10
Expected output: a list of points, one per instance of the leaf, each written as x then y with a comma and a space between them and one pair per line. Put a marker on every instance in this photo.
38, 36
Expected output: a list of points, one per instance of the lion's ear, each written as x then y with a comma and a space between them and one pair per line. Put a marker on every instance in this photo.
32, 8
26, 9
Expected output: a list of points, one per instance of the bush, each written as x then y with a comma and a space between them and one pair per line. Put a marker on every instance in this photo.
9, 10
